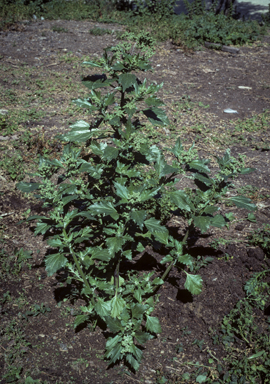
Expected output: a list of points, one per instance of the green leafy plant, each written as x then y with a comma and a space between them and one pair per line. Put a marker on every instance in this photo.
261, 238
100, 31
106, 194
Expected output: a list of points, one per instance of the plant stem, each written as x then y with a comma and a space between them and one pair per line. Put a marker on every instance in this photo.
78, 264
116, 276
172, 263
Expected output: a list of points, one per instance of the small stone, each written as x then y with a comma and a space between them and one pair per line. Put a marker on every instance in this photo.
229, 110
63, 347
41, 335
3, 111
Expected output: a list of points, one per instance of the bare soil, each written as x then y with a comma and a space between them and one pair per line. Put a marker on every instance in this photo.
204, 83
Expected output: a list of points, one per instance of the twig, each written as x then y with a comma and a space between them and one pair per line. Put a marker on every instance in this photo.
7, 214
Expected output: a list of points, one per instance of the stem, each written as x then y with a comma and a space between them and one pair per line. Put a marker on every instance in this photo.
172, 263
116, 276
78, 265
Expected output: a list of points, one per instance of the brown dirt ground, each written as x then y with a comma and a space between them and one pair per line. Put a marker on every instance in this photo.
58, 354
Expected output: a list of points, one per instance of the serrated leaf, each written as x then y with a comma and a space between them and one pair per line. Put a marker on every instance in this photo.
210, 209
54, 263
152, 324
127, 80
166, 259
181, 200
153, 101
117, 304
185, 259
162, 237
55, 243
27, 187
80, 319
153, 226
103, 308
243, 202
110, 153
137, 310
199, 165
218, 221
101, 254
105, 208
156, 116
80, 131
204, 179
115, 244
133, 362
140, 248
114, 324
203, 222
121, 191
138, 217
193, 284
143, 337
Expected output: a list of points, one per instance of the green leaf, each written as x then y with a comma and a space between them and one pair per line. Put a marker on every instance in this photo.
101, 254
80, 319
181, 200
258, 354
199, 165
185, 259
103, 308
115, 244
55, 243
246, 171
27, 187
110, 153
80, 132
138, 217
156, 116
152, 324
93, 64
140, 248
201, 378
106, 208
210, 209
143, 337
153, 226
137, 310
193, 284
114, 324
218, 221
127, 80
54, 263
133, 362
162, 237
204, 179
153, 101
203, 222
117, 304
166, 259
243, 202
121, 191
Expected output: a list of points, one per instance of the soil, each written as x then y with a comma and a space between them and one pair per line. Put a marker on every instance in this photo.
56, 353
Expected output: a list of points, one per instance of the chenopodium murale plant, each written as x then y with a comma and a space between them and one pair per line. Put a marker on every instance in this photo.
105, 207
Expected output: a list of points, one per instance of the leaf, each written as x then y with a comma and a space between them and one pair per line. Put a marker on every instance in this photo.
54, 263
153, 226
103, 308
153, 101
166, 259
156, 116
127, 80
152, 324
133, 362
181, 200
110, 153
115, 244
243, 202
142, 337
114, 324
162, 237
185, 259
246, 171
193, 284
117, 304
80, 319
137, 310
101, 254
106, 208
27, 187
121, 191
218, 221
201, 378
210, 209
203, 222
138, 217
55, 243
199, 165
93, 64
80, 131
204, 179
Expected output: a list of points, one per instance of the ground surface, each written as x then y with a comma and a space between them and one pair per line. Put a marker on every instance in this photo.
40, 74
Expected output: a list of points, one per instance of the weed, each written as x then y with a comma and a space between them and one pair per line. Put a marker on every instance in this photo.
261, 238
56, 28
107, 204
100, 31
13, 166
